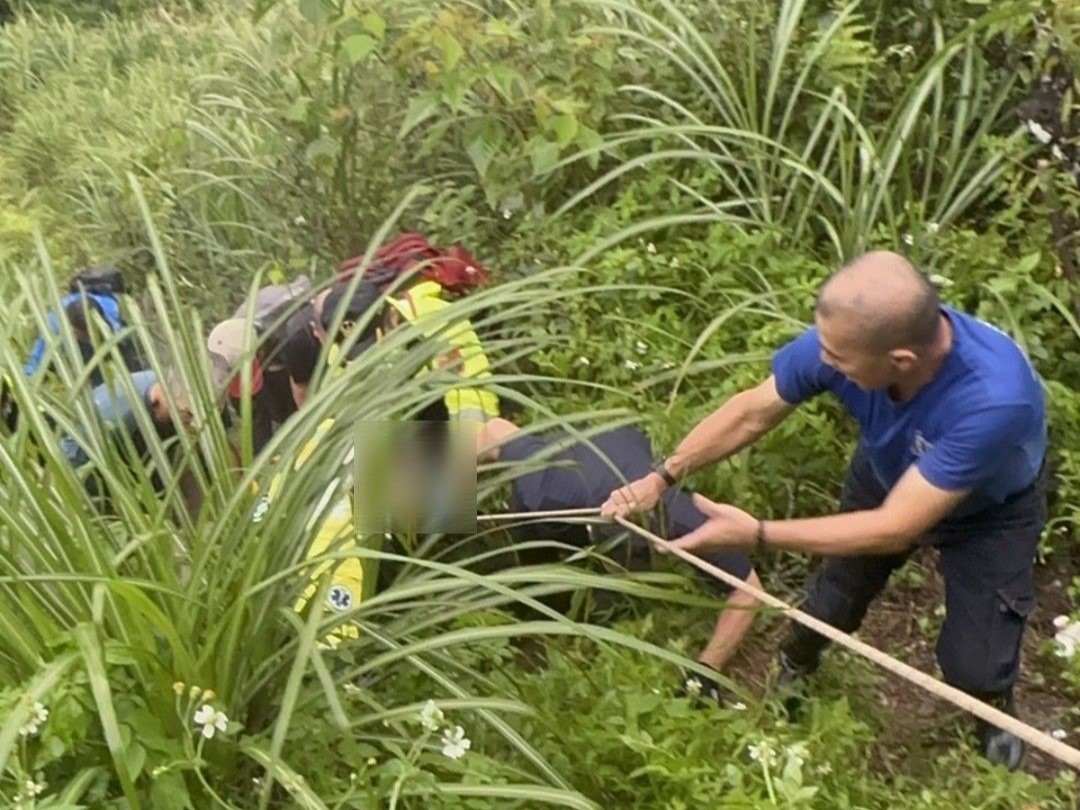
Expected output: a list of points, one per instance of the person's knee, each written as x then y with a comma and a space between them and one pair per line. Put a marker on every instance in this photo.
980, 653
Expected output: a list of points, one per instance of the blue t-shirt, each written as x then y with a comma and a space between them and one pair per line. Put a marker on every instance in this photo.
116, 410
980, 424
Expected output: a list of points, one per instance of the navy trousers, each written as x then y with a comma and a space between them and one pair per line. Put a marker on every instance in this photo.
988, 562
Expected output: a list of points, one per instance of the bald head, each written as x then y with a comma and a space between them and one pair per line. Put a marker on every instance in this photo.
886, 299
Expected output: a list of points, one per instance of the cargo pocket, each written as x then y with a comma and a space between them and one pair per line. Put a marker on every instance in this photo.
1014, 605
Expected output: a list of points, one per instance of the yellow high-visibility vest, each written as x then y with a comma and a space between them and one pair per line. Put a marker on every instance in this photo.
418, 304
336, 529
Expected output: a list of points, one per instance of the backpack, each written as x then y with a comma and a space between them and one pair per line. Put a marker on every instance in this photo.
454, 269
103, 280
274, 301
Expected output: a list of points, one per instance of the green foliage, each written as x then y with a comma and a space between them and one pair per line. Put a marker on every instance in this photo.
706, 163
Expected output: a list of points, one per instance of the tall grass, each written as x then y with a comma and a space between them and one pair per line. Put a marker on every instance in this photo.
787, 144
148, 594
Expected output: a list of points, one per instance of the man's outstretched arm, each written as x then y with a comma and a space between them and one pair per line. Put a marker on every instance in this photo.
737, 423
912, 508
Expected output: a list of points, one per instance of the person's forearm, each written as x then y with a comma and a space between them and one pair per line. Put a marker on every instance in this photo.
844, 535
726, 431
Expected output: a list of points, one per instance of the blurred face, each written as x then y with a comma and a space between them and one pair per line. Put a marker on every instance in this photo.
159, 408
844, 349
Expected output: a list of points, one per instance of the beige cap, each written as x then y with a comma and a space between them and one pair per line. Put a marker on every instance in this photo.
226, 341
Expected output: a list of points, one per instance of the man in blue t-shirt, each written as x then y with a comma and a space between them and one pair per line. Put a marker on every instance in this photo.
953, 439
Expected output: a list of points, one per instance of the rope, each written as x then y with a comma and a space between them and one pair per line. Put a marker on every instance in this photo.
1029, 734
554, 513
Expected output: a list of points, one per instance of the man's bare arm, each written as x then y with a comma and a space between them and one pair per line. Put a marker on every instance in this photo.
737, 423
912, 508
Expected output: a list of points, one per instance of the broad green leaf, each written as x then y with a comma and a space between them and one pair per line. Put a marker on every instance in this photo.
374, 24
359, 46
322, 147
544, 154
565, 127
449, 47
420, 109
316, 11
481, 153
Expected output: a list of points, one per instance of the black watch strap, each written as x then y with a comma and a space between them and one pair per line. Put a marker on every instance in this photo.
660, 468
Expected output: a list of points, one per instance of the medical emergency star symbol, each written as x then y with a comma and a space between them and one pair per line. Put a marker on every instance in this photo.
340, 598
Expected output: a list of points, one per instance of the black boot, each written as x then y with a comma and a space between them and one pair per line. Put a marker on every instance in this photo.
702, 690
792, 682
999, 746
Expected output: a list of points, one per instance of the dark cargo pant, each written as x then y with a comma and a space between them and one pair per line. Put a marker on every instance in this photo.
988, 562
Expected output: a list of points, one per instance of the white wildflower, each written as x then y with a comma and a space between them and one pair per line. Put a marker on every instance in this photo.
1059, 734
692, 686
763, 753
34, 788
372, 762
260, 510
507, 213
431, 716
908, 239
455, 743
1067, 636
650, 248
1039, 132
905, 51
352, 689
36, 721
932, 228
299, 220
581, 361
631, 365
796, 753
211, 720
738, 706
640, 346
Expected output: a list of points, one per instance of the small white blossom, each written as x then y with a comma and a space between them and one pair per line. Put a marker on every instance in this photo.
640, 346
905, 51
932, 228
1067, 636
692, 686
507, 213
372, 762
581, 361
431, 716
211, 720
796, 753
738, 706
34, 788
908, 239
455, 743
299, 220
631, 365
650, 248
763, 753
1039, 132
352, 689
1059, 734
34, 724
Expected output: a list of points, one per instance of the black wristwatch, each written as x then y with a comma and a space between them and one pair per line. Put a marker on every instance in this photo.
660, 468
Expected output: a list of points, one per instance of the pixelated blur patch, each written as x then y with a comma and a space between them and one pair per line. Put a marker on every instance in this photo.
415, 477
